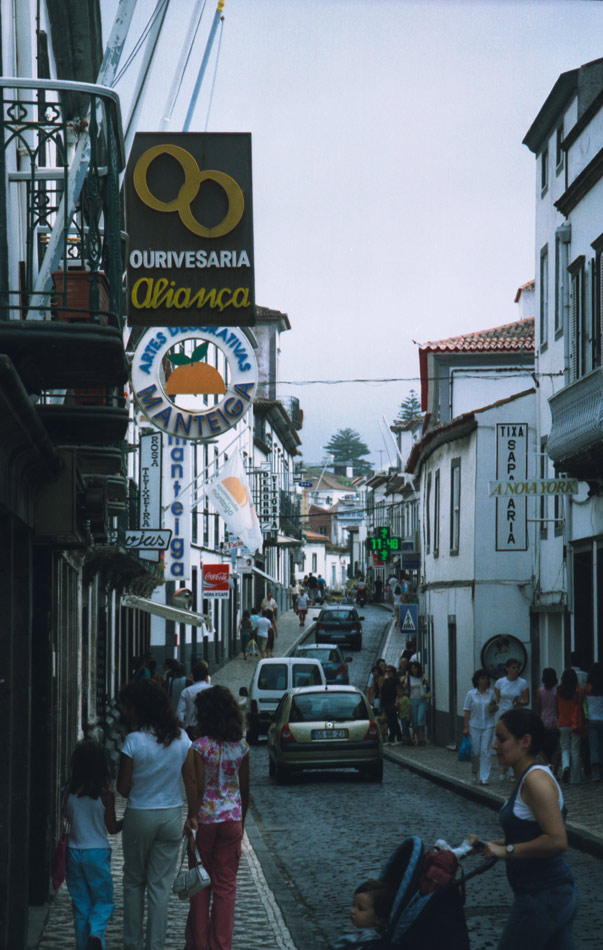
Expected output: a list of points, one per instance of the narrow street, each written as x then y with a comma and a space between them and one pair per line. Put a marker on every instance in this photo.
309, 844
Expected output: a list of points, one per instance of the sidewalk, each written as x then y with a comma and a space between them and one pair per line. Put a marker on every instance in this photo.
584, 802
258, 918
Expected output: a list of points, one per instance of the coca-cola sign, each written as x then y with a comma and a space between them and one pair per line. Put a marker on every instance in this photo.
216, 580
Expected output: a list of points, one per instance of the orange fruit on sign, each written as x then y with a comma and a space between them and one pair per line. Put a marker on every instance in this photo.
237, 489
196, 379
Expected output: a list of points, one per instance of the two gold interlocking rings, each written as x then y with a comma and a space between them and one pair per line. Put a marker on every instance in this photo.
193, 179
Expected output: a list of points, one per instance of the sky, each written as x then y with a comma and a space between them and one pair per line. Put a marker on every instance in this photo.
393, 198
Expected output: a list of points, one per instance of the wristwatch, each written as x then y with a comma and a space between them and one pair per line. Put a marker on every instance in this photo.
510, 849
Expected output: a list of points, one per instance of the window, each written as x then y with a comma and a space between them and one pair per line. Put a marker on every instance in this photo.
559, 155
314, 562
455, 505
436, 514
579, 341
597, 300
428, 514
544, 171
544, 295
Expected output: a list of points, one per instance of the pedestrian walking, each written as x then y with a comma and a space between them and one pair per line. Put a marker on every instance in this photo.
535, 839
388, 705
293, 594
418, 691
302, 607
571, 725
186, 703
222, 768
511, 690
90, 814
546, 708
245, 631
594, 705
397, 597
269, 603
176, 683
263, 630
272, 633
479, 707
154, 758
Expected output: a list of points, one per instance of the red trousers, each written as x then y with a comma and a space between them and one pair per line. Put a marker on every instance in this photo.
220, 849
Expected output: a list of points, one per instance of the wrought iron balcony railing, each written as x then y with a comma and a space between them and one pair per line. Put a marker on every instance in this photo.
60, 223
575, 442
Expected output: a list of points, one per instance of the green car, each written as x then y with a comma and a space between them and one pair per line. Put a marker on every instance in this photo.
324, 727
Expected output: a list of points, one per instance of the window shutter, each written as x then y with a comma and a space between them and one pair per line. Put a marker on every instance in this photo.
599, 305
574, 328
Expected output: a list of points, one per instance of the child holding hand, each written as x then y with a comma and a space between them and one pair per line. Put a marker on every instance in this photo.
369, 914
90, 814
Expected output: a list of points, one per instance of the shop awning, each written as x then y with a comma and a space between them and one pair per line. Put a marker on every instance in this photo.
285, 542
267, 577
168, 613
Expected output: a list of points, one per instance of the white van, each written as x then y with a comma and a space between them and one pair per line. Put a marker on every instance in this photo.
271, 678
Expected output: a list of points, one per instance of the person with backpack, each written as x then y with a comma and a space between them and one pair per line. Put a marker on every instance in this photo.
245, 632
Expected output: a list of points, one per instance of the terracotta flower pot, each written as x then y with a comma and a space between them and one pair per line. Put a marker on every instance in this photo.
76, 285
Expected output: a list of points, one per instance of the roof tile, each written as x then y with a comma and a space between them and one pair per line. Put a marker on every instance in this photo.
511, 336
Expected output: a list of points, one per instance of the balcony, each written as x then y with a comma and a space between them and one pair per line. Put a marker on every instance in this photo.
575, 443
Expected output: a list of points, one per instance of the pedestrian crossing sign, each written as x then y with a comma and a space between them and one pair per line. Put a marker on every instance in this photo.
409, 618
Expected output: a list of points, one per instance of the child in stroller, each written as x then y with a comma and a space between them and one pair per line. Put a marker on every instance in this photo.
425, 900
369, 914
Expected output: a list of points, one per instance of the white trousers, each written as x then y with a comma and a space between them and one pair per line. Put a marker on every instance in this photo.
481, 751
151, 846
570, 752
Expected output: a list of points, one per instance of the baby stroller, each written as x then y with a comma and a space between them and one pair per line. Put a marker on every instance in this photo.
420, 921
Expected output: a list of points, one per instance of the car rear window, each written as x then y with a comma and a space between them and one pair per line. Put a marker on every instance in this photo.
338, 707
305, 674
273, 676
337, 615
323, 655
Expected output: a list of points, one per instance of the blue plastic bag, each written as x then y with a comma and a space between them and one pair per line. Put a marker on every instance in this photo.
465, 750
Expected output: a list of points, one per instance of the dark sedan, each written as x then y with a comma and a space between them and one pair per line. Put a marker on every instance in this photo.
331, 659
339, 625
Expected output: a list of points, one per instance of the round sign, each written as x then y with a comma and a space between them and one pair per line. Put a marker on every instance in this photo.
194, 382
499, 649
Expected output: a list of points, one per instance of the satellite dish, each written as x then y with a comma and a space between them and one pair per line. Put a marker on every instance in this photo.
182, 598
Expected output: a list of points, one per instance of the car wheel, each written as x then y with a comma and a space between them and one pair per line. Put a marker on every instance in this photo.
252, 735
281, 774
374, 773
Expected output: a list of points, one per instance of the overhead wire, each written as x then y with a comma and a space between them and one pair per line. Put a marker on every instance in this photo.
140, 41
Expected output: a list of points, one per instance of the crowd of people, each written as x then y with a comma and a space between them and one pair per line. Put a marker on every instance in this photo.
202, 752
399, 697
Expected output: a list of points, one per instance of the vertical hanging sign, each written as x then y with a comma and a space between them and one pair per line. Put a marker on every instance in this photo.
150, 486
511, 465
176, 506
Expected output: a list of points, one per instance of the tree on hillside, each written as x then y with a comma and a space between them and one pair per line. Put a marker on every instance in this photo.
409, 407
347, 449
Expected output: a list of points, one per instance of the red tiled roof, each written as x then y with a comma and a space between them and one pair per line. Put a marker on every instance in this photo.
529, 285
511, 336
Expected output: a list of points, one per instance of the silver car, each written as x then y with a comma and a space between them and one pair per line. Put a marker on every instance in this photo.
324, 727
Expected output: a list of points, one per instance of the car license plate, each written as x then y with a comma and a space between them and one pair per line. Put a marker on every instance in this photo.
329, 733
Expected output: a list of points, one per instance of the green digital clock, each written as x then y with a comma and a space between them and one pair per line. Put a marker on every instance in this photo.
383, 544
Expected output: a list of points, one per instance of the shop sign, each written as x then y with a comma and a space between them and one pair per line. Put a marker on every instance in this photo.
190, 230
383, 544
148, 539
535, 486
268, 500
511, 467
177, 516
150, 488
216, 580
177, 371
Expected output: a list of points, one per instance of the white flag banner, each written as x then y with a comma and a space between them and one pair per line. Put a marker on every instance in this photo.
230, 495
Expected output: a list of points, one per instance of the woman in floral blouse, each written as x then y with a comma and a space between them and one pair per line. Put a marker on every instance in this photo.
222, 768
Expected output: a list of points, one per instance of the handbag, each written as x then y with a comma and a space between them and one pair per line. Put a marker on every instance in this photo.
59, 858
465, 750
190, 881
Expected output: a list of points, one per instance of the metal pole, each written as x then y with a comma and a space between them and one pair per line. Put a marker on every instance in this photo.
144, 71
203, 66
191, 33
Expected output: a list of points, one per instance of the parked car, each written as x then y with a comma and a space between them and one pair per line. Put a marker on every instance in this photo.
329, 727
270, 679
331, 657
339, 625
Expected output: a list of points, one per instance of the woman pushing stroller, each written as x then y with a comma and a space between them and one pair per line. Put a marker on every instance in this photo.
533, 822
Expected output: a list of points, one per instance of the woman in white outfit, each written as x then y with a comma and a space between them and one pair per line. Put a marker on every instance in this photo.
480, 706
511, 691
154, 758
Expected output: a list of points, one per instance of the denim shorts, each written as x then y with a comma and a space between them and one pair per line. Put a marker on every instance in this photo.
418, 709
542, 919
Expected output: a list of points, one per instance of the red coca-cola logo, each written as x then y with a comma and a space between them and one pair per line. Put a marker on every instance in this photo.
216, 576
